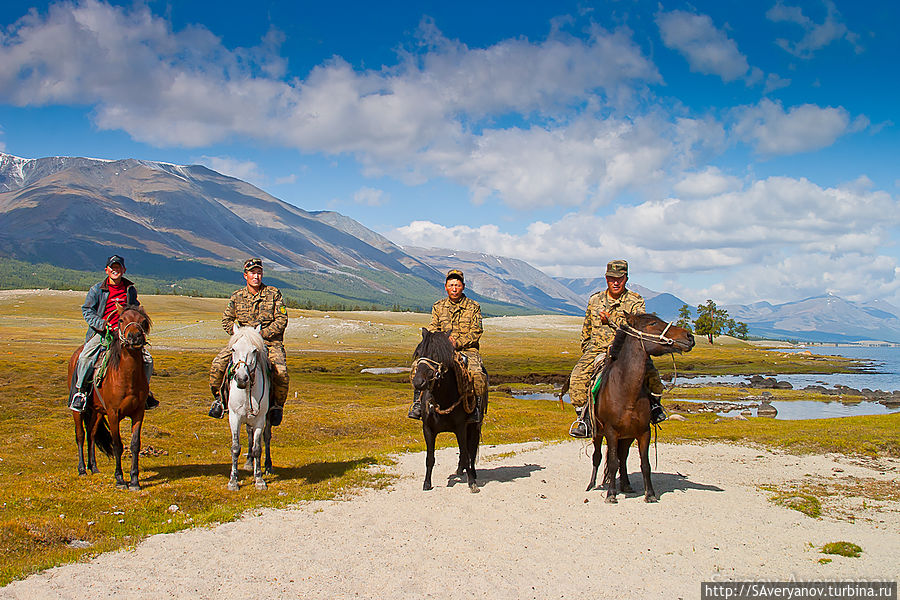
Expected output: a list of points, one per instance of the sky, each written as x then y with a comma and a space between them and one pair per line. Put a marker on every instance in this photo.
736, 151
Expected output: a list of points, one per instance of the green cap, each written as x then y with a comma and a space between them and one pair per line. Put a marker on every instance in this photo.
617, 268
252, 263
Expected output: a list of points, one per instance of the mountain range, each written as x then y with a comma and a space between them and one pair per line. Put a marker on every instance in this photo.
178, 224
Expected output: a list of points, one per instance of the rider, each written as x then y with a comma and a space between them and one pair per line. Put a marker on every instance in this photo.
99, 310
460, 318
605, 311
252, 305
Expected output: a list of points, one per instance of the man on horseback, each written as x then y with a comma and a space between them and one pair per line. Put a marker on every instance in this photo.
255, 304
99, 310
605, 312
460, 317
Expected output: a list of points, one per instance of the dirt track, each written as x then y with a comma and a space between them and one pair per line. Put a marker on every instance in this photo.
532, 532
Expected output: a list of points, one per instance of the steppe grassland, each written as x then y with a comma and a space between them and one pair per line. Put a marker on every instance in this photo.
338, 426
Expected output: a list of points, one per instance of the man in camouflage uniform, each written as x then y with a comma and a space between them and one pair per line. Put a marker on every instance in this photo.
255, 304
605, 312
460, 318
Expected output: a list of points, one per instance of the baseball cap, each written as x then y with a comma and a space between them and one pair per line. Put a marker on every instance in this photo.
115, 258
616, 268
252, 263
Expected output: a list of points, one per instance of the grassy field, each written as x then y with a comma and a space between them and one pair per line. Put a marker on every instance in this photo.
338, 422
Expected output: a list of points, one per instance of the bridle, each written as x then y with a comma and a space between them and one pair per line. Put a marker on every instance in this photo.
436, 370
123, 330
251, 380
650, 337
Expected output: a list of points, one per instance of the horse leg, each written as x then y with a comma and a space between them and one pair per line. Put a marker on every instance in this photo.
463, 442
79, 441
429, 455
248, 465
644, 449
624, 482
596, 459
113, 419
474, 439
267, 438
135, 452
91, 431
612, 465
235, 454
257, 452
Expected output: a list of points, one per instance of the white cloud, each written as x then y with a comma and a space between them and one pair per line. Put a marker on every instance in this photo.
369, 197
287, 179
707, 49
246, 170
737, 235
775, 82
816, 35
709, 182
774, 131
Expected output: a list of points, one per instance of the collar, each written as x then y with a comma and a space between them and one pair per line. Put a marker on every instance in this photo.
124, 281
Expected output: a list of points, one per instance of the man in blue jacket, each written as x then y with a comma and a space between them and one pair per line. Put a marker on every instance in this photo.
99, 310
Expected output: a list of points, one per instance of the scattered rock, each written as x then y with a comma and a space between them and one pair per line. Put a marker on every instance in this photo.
677, 417
385, 370
766, 410
173, 508
79, 544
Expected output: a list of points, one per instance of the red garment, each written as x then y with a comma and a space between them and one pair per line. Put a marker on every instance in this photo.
116, 296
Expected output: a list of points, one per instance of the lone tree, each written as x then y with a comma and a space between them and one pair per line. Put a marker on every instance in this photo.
710, 320
684, 317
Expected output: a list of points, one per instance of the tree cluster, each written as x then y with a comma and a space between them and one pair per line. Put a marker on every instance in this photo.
711, 321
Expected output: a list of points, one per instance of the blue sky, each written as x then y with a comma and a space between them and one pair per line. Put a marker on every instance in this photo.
738, 151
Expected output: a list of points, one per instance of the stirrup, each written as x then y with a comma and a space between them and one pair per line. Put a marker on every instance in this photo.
152, 402
580, 429
217, 409
275, 415
415, 411
79, 401
658, 414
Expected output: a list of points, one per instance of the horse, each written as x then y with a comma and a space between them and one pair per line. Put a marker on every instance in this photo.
443, 408
122, 393
248, 402
621, 412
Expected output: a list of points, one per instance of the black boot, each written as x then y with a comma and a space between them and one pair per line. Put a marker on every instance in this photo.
152, 402
475, 415
217, 409
415, 412
78, 402
657, 412
276, 413
581, 428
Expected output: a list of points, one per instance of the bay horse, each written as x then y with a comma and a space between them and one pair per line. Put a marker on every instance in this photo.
248, 402
443, 407
122, 393
621, 412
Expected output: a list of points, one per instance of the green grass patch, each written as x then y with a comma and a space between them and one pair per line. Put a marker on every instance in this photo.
847, 549
805, 503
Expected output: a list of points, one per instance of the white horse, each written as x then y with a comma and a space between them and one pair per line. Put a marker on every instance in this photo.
248, 400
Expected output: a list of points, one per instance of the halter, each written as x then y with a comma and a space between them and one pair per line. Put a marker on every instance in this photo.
437, 370
251, 412
123, 330
652, 337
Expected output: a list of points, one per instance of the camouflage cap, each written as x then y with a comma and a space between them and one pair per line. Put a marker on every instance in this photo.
252, 263
455, 274
115, 259
617, 268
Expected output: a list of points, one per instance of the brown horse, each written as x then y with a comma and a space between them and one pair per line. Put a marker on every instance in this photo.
122, 393
622, 411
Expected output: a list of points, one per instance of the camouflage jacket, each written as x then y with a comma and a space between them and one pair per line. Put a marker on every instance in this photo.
265, 308
462, 320
597, 336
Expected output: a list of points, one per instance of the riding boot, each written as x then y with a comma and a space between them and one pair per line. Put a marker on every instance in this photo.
276, 413
152, 402
415, 412
78, 402
581, 428
475, 415
218, 408
657, 412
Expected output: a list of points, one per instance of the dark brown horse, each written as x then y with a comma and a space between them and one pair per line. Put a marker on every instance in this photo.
442, 405
622, 411
122, 393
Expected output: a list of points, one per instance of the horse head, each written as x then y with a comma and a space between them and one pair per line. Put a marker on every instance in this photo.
432, 358
247, 349
134, 325
658, 336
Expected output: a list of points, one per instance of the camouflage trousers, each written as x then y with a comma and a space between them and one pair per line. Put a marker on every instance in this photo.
476, 369
580, 379
279, 373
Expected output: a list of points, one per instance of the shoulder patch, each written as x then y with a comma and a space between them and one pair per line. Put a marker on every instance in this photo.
282, 310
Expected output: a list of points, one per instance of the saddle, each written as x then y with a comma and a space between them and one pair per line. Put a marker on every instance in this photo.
100, 365
465, 383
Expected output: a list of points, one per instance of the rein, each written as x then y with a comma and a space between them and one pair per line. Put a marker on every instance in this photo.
122, 331
643, 335
437, 371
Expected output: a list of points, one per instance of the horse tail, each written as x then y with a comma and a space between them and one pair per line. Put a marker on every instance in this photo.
103, 438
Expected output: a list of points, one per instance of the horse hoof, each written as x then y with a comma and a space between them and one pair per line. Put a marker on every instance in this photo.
650, 499
460, 472
611, 500
248, 466
82, 472
426, 487
261, 485
135, 487
121, 486
474, 488
233, 486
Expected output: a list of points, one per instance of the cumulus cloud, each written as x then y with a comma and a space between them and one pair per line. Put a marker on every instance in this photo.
369, 196
707, 49
816, 35
739, 234
773, 130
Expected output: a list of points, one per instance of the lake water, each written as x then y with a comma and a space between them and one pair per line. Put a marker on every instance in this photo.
883, 374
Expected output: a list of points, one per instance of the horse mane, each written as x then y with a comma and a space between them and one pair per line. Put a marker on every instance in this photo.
252, 335
115, 349
436, 346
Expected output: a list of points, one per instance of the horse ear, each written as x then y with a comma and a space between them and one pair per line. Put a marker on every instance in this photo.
258, 328
424, 332
120, 308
